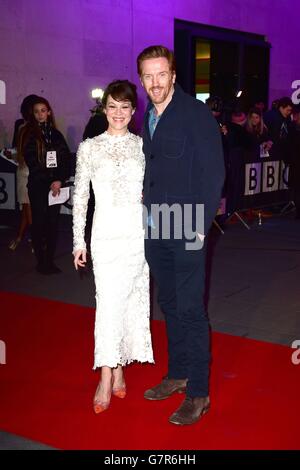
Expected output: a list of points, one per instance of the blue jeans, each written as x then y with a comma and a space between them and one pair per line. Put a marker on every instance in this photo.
180, 277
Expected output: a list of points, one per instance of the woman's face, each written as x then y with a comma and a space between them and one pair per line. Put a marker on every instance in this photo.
41, 112
255, 119
118, 114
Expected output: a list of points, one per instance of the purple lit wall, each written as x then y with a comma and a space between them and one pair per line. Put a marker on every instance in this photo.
62, 49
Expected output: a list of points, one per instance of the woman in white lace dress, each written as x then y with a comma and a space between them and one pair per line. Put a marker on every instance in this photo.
114, 163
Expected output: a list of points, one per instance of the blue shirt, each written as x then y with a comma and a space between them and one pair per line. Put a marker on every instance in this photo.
153, 120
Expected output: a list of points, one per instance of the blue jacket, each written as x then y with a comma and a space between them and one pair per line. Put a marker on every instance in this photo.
184, 159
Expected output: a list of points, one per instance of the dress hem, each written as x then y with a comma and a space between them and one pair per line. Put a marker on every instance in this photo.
121, 363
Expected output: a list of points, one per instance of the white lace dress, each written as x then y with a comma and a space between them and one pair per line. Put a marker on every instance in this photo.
115, 165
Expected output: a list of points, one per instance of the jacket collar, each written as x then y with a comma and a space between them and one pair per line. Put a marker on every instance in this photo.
178, 93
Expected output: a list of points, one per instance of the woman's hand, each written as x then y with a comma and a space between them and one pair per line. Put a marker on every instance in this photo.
224, 129
269, 144
7, 153
55, 188
79, 259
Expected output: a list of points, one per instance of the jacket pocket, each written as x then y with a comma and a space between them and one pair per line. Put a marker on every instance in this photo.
172, 147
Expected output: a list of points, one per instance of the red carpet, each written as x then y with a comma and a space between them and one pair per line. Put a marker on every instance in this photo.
47, 387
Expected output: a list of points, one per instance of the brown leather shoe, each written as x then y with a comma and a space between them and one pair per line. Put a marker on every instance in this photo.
165, 389
190, 410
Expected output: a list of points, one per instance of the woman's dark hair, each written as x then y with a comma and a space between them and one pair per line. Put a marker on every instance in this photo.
26, 106
42, 100
33, 129
121, 90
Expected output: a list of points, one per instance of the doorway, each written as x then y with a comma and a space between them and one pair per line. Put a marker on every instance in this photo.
221, 62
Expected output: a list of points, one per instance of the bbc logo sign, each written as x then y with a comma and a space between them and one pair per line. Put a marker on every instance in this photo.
265, 177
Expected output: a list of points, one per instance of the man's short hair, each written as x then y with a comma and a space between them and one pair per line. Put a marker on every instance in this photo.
284, 102
155, 52
215, 103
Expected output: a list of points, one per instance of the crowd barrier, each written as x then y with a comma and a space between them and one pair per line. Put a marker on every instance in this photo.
8, 186
255, 179
252, 181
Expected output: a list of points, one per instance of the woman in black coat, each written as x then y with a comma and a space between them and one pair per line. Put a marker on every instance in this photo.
48, 158
258, 137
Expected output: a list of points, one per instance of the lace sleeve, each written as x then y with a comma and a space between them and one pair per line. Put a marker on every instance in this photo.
81, 195
142, 154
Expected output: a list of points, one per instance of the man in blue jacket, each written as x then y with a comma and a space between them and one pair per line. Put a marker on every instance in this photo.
184, 168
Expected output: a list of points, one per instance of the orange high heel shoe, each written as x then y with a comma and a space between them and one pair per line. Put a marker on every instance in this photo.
100, 406
119, 392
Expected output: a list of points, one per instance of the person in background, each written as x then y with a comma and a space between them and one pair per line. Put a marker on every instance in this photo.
215, 104
22, 172
258, 146
48, 158
278, 122
259, 104
257, 131
274, 104
237, 135
97, 123
26, 111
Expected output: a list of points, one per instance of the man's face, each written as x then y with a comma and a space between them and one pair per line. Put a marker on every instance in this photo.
157, 79
260, 105
286, 112
239, 118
